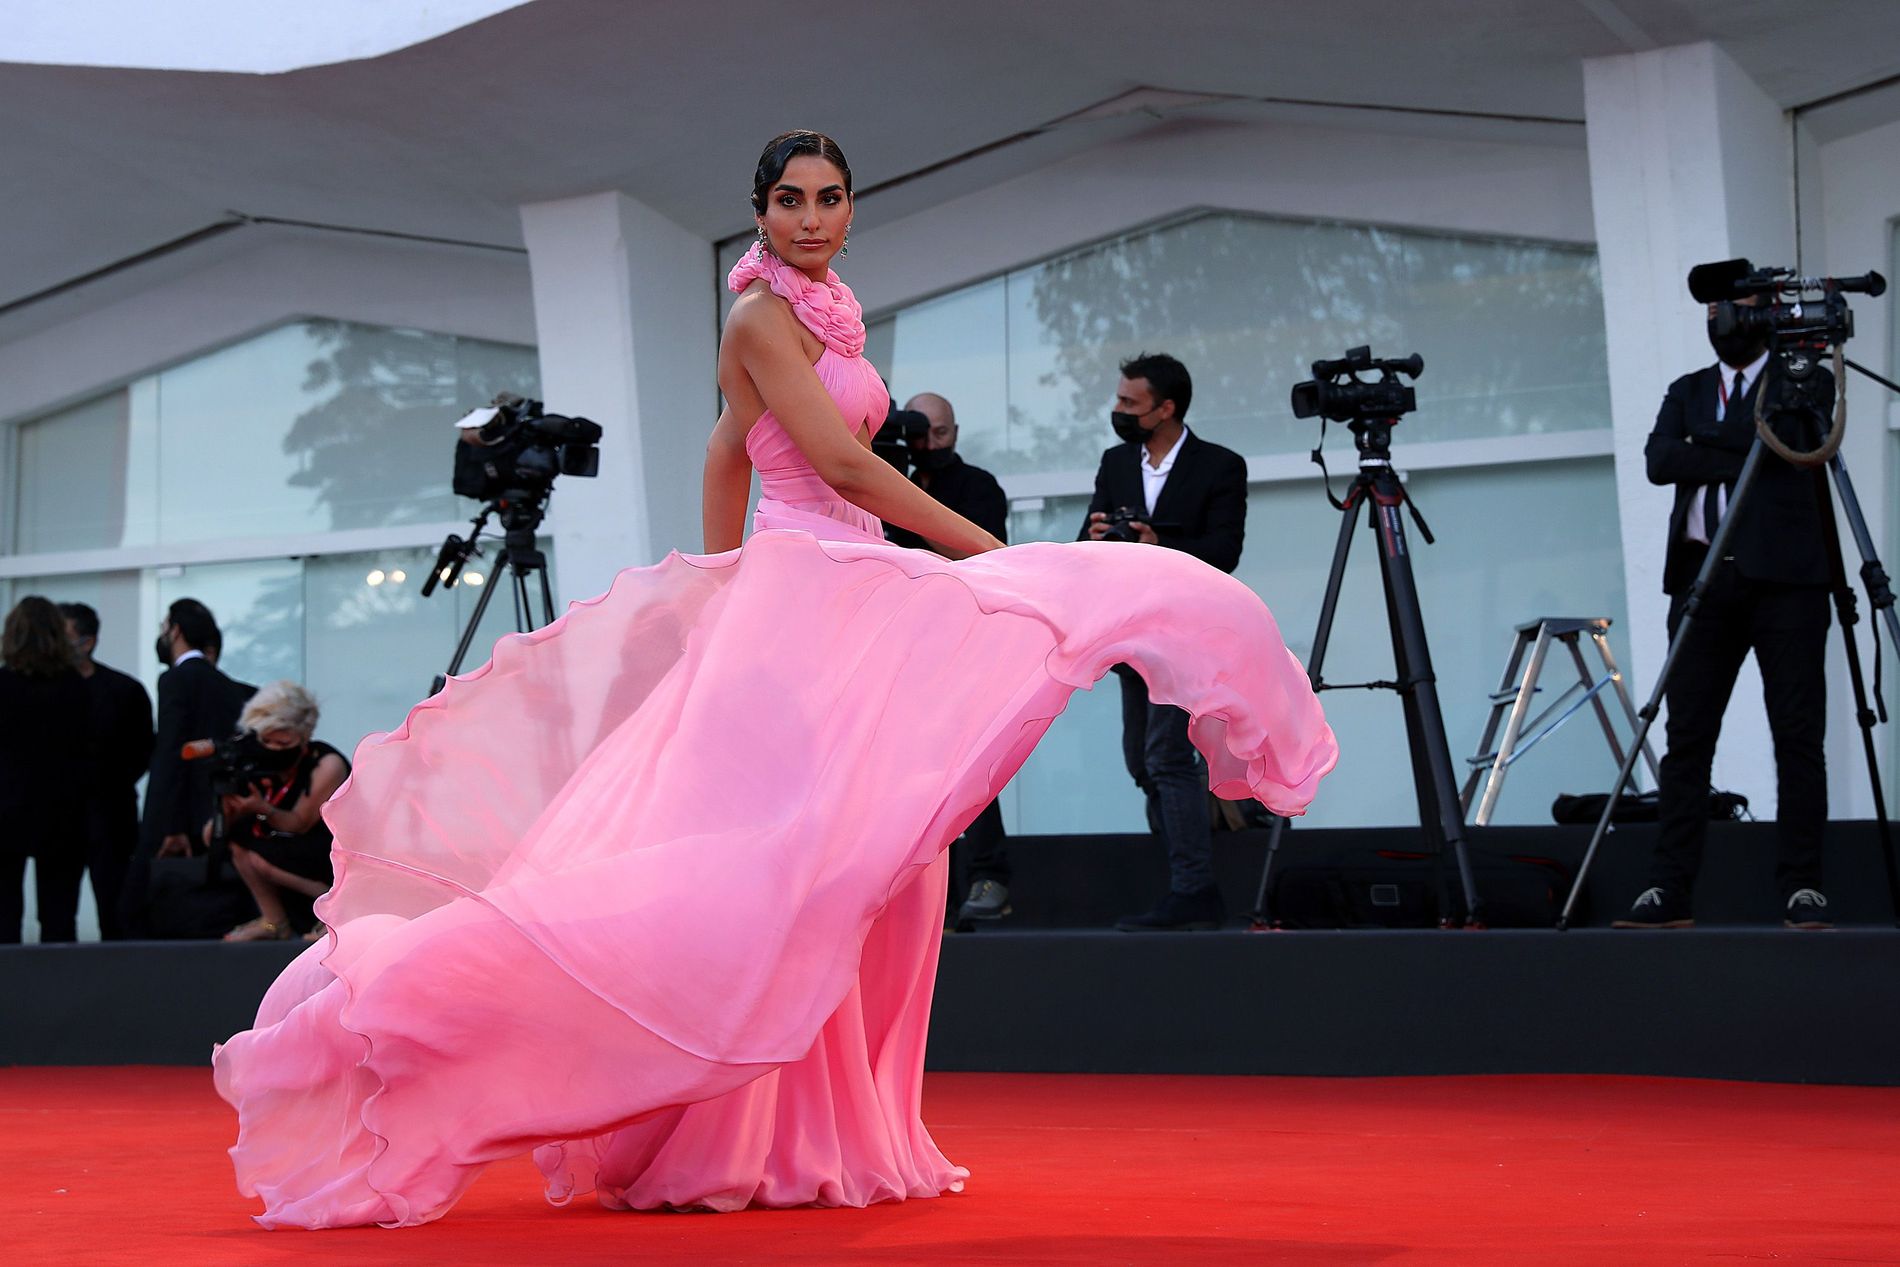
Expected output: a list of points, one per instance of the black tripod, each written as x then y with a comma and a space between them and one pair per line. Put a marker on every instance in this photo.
521, 514
1793, 370
1440, 811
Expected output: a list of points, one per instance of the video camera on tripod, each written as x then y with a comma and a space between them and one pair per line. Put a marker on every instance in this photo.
1809, 311
508, 454
1338, 393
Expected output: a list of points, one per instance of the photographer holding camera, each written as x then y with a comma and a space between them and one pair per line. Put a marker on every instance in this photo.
1769, 594
930, 432
1165, 486
279, 843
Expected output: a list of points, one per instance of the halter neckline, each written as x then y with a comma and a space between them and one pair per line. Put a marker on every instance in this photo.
828, 308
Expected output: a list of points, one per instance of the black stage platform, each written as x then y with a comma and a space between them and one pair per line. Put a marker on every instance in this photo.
1049, 990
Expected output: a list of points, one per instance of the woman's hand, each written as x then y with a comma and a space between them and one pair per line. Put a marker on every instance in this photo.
251, 804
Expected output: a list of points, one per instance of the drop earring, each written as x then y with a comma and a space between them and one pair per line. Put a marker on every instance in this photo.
844, 248
765, 245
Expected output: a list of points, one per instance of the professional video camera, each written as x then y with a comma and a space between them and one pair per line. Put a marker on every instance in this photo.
237, 764
901, 434
511, 445
1792, 311
1337, 392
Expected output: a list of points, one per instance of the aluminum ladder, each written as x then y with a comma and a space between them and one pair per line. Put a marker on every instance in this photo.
1511, 704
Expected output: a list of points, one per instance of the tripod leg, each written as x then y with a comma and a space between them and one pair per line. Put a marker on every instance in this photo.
547, 597
1425, 721
475, 618
1848, 617
1647, 714
524, 611
1879, 591
1262, 917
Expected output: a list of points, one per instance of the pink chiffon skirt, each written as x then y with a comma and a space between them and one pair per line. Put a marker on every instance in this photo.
658, 891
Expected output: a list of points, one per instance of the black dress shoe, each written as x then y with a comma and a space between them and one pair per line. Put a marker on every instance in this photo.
1657, 907
1179, 912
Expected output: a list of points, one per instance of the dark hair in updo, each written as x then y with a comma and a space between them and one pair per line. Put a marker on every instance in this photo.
785, 147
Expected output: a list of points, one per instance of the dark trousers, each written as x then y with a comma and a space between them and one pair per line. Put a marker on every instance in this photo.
106, 864
55, 888
985, 848
1172, 775
1786, 627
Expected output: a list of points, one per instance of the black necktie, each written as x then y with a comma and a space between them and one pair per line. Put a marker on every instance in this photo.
1712, 495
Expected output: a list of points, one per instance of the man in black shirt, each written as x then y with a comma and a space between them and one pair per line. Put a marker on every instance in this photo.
1165, 486
121, 749
972, 492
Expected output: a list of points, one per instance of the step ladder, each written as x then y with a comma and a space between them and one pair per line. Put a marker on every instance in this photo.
1511, 704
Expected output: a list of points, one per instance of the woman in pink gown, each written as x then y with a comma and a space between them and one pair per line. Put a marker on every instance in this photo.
657, 892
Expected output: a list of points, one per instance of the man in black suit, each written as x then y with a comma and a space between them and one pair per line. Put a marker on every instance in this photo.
1165, 486
195, 701
1768, 595
971, 491
121, 750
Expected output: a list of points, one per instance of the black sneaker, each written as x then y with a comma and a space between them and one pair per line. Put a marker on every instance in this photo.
988, 900
1658, 907
1179, 912
1807, 909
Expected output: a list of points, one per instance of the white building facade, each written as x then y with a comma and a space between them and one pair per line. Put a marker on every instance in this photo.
262, 418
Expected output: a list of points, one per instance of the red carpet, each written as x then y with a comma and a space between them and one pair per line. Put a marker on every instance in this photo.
114, 1166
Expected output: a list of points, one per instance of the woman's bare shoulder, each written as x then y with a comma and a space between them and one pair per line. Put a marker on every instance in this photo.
757, 311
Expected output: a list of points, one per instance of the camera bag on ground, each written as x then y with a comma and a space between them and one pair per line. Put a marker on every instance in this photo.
1390, 888
188, 898
1586, 809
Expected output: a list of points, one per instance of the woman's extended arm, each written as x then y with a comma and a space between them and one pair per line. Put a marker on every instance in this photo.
302, 816
763, 333
727, 486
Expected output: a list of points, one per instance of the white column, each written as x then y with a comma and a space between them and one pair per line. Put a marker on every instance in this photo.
1689, 162
626, 316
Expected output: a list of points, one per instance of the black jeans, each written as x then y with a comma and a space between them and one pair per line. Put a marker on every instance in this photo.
985, 849
1786, 627
1172, 775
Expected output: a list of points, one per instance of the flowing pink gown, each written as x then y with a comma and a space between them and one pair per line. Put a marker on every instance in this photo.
658, 891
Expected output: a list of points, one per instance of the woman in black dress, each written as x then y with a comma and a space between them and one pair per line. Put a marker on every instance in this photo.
280, 844
45, 737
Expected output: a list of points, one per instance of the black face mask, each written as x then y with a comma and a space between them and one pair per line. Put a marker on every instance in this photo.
164, 648
1128, 426
933, 460
1736, 348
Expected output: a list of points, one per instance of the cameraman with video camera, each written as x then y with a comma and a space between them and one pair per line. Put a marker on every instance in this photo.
274, 779
1165, 486
928, 426
1768, 594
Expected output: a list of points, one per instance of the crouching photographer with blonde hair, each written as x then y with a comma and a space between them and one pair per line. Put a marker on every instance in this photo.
280, 845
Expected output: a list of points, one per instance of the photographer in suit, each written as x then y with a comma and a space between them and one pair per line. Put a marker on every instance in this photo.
1769, 595
195, 701
1164, 486
971, 491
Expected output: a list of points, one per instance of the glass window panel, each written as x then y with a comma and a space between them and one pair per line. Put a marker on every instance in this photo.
71, 472
374, 644
321, 425
1075, 780
1511, 333
953, 346
1565, 560
125, 640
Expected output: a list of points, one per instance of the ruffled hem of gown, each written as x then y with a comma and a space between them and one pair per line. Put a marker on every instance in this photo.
377, 1051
